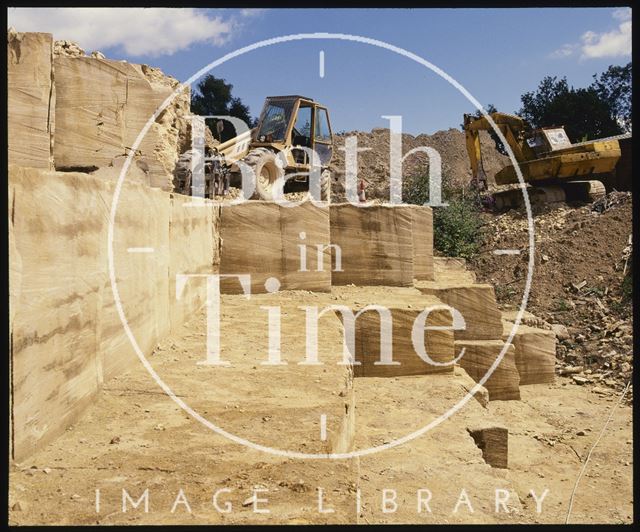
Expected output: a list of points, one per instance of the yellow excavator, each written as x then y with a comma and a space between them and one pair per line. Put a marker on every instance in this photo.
278, 147
554, 169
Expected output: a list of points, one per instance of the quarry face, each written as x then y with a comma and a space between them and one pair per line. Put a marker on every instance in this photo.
181, 360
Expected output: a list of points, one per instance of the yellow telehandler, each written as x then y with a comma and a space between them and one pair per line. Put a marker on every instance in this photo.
278, 147
555, 169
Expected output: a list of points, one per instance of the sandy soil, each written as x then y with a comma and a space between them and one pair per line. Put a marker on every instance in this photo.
574, 247
135, 437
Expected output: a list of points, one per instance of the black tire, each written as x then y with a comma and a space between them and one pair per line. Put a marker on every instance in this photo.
266, 170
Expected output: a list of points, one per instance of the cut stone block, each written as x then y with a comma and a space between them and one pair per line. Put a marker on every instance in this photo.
375, 245
475, 302
31, 99
462, 377
293, 397
59, 260
142, 279
535, 353
266, 240
422, 232
493, 441
194, 242
404, 307
101, 108
479, 356
59, 273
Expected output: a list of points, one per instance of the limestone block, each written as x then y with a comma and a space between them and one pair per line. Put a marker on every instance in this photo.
422, 232
266, 240
375, 243
193, 249
535, 353
250, 243
314, 223
462, 377
438, 345
101, 108
91, 96
479, 356
292, 396
493, 441
403, 307
142, 279
67, 337
31, 99
59, 264
477, 304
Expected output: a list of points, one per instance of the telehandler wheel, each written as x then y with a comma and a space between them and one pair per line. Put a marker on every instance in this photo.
264, 164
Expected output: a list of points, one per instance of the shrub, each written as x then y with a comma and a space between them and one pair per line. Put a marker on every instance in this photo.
504, 293
457, 227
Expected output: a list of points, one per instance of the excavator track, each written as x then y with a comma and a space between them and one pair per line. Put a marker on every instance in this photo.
567, 192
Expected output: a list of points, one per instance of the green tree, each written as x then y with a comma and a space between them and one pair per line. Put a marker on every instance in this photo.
584, 113
213, 96
614, 86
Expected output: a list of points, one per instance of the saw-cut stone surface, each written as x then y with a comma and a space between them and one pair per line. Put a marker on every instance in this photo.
266, 240
375, 245
31, 99
480, 355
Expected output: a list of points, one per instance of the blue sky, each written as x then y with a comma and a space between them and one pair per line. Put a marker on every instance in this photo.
497, 54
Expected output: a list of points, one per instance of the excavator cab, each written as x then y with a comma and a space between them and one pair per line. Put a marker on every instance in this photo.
547, 140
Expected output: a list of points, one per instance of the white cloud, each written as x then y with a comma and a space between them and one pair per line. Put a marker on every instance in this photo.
592, 45
252, 12
137, 31
564, 51
614, 43
622, 13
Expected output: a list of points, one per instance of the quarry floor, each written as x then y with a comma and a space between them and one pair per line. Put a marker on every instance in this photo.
136, 438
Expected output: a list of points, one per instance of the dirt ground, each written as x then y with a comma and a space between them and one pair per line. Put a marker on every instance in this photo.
135, 438
581, 279
373, 164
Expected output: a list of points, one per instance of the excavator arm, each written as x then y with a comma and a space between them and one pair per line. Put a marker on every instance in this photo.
478, 175
512, 127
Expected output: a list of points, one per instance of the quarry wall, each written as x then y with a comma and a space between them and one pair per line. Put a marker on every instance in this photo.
31, 99
79, 113
66, 337
82, 115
